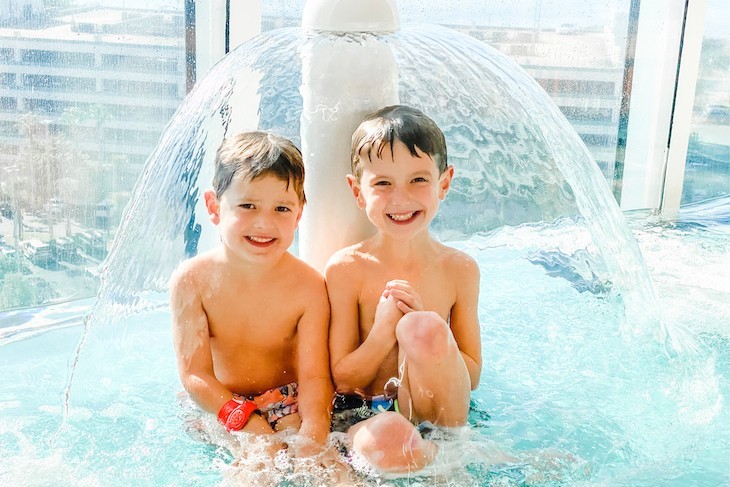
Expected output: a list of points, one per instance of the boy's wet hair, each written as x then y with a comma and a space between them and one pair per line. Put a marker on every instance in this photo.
398, 123
250, 155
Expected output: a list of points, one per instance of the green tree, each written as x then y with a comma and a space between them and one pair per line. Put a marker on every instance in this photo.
85, 127
45, 159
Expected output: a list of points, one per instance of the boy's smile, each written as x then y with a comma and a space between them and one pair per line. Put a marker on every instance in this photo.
256, 218
399, 191
404, 218
260, 241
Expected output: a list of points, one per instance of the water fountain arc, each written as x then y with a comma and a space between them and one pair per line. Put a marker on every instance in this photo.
517, 159
562, 276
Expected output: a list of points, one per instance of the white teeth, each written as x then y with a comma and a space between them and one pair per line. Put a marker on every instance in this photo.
260, 239
401, 217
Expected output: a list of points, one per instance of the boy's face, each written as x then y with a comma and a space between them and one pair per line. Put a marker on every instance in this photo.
400, 192
257, 218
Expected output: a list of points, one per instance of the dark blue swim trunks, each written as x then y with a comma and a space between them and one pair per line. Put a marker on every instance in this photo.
350, 409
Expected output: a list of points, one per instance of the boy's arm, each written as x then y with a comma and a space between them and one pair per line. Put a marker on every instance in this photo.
354, 364
465, 317
315, 383
192, 343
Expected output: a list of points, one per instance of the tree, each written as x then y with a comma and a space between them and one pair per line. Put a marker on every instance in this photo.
45, 159
86, 125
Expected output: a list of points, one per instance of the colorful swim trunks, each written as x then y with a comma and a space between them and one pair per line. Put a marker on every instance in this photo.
276, 403
350, 409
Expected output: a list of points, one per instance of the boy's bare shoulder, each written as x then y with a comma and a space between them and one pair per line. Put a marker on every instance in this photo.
347, 259
303, 271
194, 269
305, 282
459, 261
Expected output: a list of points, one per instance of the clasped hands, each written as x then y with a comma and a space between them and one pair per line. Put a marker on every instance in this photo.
397, 299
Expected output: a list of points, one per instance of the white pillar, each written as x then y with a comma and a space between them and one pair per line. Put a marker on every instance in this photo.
210, 34
210, 26
244, 23
654, 169
338, 90
683, 107
655, 66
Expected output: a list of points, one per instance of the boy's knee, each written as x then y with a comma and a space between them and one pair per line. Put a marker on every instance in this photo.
423, 334
389, 442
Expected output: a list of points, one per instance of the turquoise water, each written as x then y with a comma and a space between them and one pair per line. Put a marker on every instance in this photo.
578, 365
569, 377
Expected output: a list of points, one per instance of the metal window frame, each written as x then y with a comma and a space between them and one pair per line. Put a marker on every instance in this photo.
214, 28
683, 105
669, 39
627, 90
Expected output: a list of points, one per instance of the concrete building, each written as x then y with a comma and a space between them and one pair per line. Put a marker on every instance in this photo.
581, 70
111, 79
12, 11
106, 80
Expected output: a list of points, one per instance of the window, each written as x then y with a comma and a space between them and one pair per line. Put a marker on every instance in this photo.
575, 51
707, 171
73, 136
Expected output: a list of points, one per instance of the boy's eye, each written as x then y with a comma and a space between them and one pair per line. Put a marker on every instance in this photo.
382, 183
283, 208
247, 206
420, 180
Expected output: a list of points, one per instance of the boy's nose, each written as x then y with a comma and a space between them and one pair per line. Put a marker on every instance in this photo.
399, 194
262, 221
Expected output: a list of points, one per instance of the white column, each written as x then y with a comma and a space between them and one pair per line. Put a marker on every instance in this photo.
654, 74
684, 106
210, 44
338, 91
210, 29
210, 32
245, 22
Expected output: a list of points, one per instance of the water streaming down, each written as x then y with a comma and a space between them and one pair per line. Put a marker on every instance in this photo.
572, 359
517, 158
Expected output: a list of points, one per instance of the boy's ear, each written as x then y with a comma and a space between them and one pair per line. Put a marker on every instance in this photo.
299, 215
212, 205
356, 191
445, 181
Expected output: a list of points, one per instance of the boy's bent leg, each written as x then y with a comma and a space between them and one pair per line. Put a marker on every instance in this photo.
435, 385
390, 443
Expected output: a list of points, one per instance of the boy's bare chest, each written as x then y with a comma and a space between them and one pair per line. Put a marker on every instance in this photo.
434, 291
257, 318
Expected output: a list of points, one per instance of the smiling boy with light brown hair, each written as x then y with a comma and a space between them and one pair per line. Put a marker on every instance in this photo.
404, 332
249, 318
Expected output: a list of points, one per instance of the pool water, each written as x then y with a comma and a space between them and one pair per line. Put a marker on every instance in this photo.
563, 372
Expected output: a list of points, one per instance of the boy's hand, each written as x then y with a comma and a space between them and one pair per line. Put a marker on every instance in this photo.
407, 299
387, 315
323, 463
305, 447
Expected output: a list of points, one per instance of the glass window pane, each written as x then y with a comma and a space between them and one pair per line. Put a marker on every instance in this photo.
575, 49
86, 89
707, 172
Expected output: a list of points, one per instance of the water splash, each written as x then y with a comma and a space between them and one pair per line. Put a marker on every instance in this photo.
522, 177
517, 158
